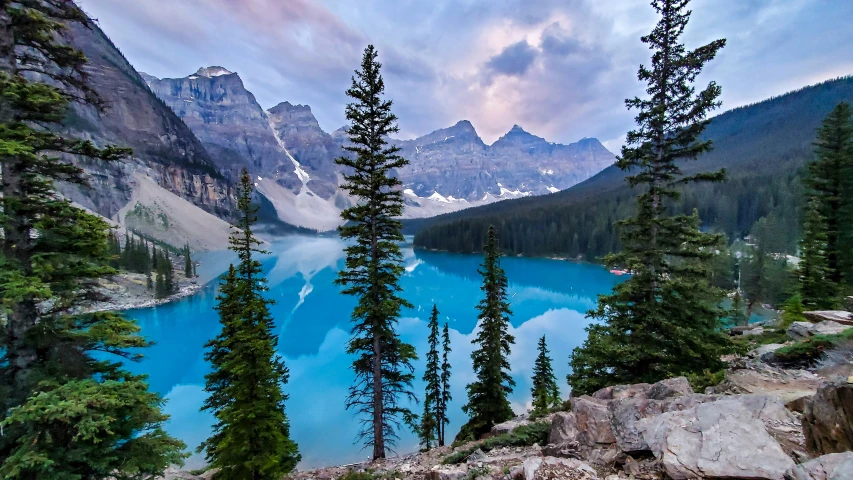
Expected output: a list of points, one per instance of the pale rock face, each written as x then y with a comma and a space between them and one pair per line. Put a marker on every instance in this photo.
722, 439
835, 466
801, 330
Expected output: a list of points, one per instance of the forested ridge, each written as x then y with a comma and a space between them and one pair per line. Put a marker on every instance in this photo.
763, 147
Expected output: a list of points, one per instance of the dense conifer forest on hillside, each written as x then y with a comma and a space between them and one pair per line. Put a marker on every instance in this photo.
763, 148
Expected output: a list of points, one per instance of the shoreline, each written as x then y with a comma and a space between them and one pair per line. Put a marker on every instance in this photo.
135, 303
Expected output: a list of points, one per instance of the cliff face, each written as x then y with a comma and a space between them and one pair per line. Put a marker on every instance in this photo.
225, 116
313, 148
163, 147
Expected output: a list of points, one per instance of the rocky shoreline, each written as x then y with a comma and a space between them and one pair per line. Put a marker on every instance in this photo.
127, 291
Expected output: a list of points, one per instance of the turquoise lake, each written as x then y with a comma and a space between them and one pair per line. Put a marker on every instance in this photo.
548, 297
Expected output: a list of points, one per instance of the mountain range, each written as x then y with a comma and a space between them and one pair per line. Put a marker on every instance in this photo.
292, 157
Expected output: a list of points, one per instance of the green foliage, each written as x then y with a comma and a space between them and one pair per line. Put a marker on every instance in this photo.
700, 381
445, 397
478, 472
251, 436
434, 410
816, 286
746, 343
808, 351
827, 266
90, 429
792, 312
189, 266
737, 314
67, 414
665, 319
523, 436
382, 364
487, 395
545, 392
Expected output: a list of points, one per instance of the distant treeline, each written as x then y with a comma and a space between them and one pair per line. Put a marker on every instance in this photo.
763, 147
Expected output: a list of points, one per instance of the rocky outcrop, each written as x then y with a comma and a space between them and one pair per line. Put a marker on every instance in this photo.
712, 436
803, 330
838, 316
721, 439
828, 419
835, 466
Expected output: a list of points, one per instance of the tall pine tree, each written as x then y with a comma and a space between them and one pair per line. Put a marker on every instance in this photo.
830, 192
817, 290
446, 397
382, 366
665, 319
545, 392
251, 436
429, 430
66, 413
487, 395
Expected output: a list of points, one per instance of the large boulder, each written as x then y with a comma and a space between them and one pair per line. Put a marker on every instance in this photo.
670, 388
627, 413
834, 466
592, 418
564, 429
803, 330
721, 439
839, 316
828, 419
546, 468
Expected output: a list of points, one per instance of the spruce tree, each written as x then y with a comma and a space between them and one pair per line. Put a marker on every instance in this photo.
545, 392
445, 398
665, 319
251, 436
432, 378
817, 289
188, 262
829, 179
737, 314
383, 363
67, 412
487, 395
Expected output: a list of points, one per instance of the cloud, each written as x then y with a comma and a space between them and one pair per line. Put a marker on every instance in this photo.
561, 68
515, 59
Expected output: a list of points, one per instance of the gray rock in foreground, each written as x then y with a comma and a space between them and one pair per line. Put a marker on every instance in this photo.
721, 439
835, 466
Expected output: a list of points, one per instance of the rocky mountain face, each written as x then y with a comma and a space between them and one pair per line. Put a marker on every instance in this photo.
285, 150
454, 162
164, 149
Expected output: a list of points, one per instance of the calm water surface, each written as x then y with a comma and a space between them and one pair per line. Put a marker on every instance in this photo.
548, 298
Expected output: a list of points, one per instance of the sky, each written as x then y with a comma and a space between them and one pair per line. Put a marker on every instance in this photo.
561, 69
